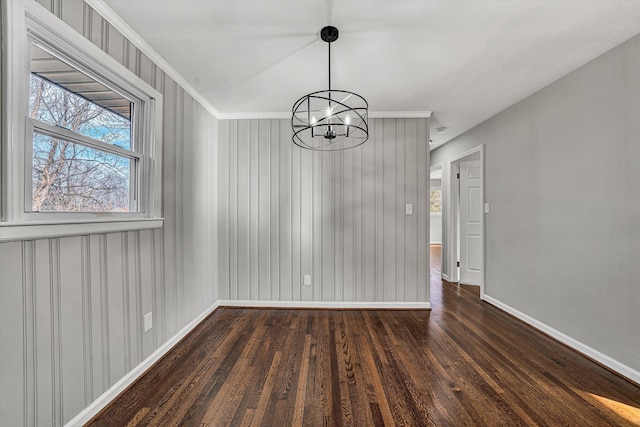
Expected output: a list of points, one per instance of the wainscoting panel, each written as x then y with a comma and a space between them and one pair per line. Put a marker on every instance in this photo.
72, 309
340, 217
45, 372
16, 358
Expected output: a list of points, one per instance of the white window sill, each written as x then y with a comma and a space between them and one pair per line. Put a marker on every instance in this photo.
44, 230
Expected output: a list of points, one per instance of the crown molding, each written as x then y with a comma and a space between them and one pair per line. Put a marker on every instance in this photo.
116, 22
400, 114
258, 115
287, 115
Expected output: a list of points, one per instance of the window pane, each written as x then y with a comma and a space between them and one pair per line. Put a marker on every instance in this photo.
63, 96
436, 202
70, 177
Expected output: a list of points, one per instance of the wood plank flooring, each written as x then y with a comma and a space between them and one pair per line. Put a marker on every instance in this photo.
463, 363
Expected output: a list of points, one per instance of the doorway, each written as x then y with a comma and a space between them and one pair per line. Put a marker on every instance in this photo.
464, 242
435, 219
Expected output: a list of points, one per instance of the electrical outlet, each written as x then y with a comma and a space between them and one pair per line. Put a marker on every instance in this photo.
148, 321
307, 280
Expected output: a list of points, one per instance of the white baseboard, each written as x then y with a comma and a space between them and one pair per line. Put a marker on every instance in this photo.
106, 397
328, 304
594, 354
113, 392
468, 284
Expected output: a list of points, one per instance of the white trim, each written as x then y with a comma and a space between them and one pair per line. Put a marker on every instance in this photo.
476, 149
12, 107
31, 230
356, 305
449, 197
118, 23
113, 392
594, 354
400, 114
468, 284
78, 138
256, 115
445, 277
287, 115
105, 398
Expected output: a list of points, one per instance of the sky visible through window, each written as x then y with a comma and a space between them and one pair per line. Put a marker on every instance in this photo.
72, 177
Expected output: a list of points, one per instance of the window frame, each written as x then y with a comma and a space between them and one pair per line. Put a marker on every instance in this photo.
43, 128
27, 23
435, 188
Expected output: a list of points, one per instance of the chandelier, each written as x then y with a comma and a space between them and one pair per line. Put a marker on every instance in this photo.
330, 120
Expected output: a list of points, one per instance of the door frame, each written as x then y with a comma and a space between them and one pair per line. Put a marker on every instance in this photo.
450, 216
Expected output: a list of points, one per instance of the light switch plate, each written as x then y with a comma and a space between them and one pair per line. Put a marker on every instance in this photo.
409, 209
307, 280
148, 321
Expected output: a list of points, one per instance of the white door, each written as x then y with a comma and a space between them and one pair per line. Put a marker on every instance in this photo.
470, 223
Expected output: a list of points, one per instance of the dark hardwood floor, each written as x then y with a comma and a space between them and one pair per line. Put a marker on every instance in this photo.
463, 363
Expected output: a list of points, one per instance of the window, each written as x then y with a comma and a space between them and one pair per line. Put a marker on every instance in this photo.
82, 156
82, 143
435, 201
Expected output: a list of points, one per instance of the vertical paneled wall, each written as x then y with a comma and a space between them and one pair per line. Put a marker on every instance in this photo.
71, 309
340, 217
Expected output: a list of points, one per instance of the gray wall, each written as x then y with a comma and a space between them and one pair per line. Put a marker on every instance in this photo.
71, 309
562, 179
340, 217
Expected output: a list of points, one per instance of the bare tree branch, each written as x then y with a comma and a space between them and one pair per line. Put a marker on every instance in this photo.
72, 177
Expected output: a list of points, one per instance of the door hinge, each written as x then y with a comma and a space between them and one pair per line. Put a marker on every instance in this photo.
458, 175
458, 264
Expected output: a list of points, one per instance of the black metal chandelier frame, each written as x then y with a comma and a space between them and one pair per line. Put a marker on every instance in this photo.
323, 120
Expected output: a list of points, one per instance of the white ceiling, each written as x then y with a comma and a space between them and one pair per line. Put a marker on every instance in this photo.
464, 60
